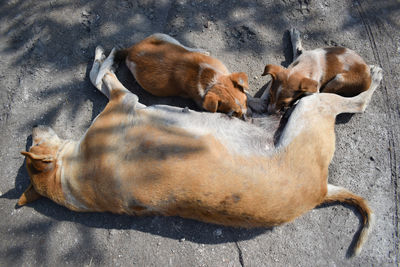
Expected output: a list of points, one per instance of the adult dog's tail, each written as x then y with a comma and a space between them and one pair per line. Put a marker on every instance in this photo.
340, 194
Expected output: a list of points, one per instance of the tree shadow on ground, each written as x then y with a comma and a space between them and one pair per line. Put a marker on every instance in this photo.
62, 42
50, 42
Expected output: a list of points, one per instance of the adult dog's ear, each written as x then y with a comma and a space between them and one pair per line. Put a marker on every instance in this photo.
28, 196
308, 85
210, 102
273, 70
241, 80
44, 158
39, 162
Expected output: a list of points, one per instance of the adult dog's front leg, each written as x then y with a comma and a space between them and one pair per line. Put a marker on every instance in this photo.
356, 104
99, 59
103, 78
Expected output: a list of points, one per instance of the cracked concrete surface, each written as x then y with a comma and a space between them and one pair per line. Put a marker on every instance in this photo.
45, 52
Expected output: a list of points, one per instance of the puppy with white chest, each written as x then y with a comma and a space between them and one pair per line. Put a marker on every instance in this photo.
336, 70
164, 67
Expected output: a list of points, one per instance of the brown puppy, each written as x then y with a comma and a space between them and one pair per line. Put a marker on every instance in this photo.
164, 67
142, 160
330, 70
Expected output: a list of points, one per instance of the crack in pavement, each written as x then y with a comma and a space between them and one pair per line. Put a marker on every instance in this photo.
240, 254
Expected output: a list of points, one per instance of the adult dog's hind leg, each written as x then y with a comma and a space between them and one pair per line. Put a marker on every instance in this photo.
356, 104
361, 101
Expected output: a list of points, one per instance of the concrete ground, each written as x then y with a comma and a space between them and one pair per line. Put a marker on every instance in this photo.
46, 49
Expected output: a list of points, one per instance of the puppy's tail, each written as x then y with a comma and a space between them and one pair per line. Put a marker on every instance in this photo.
120, 55
340, 194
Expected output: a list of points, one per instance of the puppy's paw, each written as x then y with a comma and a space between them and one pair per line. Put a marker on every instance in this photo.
99, 54
202, 51
205, 52
376, 74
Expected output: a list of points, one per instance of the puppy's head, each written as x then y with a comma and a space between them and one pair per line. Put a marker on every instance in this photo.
287, 89
228, 95
40, 163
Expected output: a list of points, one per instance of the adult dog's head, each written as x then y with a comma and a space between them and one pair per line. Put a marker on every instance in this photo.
41, 165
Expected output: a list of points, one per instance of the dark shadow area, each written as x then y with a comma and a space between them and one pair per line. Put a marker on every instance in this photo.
37, 238
287, 49
22, 179
262, 89
343, 118
21, 183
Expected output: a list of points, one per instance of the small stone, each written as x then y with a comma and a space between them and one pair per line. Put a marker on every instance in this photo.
218, 232
85, 13
182, 239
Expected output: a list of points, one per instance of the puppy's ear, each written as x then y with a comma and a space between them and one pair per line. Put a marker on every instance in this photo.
39, 162
28, 196
272, 70
210, 102
308, 85
241, 80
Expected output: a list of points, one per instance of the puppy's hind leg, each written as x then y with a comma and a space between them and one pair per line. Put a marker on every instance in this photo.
166, 38
296, 43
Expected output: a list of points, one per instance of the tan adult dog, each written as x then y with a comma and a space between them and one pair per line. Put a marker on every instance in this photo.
164, 67
336, 70
165, 160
